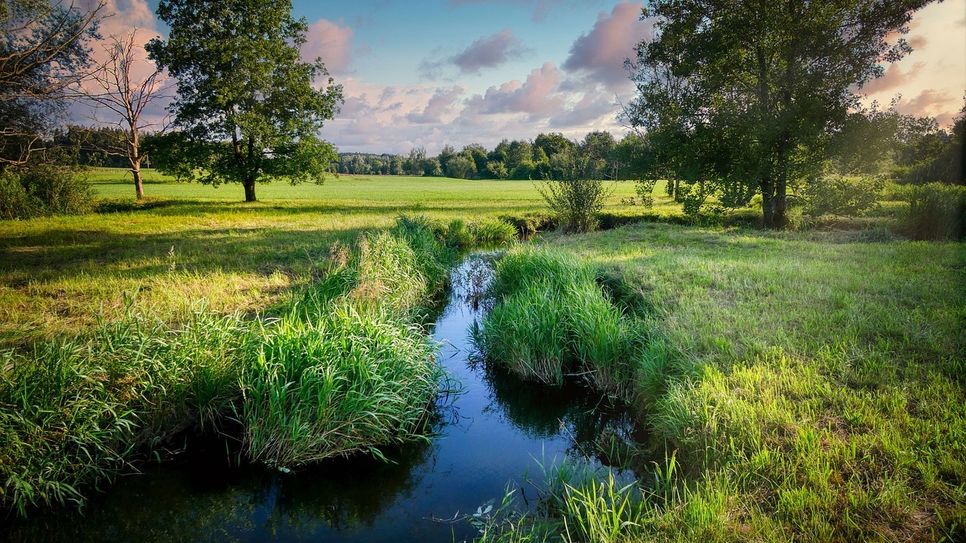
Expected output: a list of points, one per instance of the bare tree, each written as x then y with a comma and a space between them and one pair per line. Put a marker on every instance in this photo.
117, 87
43, 52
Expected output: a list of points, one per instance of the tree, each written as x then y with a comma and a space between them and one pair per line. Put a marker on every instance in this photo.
247, 107
432, 167
598, 149
414, 164
116, 86
497, 169
43, 52
753, 89
553, 143
461, 167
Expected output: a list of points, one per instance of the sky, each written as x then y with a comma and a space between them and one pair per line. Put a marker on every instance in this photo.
434, 72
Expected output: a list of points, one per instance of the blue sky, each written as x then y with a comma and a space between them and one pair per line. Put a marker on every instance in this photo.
429, 73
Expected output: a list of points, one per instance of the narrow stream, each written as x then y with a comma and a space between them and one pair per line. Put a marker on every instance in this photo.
498, 429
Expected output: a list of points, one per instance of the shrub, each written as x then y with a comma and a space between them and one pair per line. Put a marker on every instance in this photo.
576, 198
43, 190
936, 211
645, 192
842, 195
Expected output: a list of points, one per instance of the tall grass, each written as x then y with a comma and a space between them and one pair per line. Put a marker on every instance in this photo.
346, 382
552, 318
341, 369
75, 413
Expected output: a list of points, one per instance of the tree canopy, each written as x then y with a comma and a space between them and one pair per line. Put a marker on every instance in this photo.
247, 108
741, 96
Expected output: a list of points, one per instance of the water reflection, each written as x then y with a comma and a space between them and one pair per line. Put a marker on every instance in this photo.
494, 431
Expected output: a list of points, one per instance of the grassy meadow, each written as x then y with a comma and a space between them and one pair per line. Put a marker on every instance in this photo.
797, 385
187, 241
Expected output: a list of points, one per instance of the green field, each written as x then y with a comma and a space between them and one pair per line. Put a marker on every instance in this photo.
808, 385
191, 241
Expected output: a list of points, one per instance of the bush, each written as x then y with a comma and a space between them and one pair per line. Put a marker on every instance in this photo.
576, 198
936, 211
43, 190
842, 195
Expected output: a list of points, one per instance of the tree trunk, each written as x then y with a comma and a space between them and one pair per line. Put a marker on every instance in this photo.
138, 183
780, 204
249, 189
767, 203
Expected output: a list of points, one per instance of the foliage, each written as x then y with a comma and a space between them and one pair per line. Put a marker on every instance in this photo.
461, 167
936, 211
925, 153
43, 190
740, 97
843, 195
577, 197
247, 107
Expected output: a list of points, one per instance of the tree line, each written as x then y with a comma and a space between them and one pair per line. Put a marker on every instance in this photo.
546, 156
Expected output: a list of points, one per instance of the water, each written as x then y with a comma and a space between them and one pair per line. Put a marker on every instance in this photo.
498, 430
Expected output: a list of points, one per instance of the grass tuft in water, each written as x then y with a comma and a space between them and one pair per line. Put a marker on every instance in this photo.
551, 318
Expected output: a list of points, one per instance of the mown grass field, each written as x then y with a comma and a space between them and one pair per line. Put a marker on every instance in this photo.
188, 241
809, 385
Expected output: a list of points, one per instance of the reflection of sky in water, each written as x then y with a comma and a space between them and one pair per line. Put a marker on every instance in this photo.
496, 430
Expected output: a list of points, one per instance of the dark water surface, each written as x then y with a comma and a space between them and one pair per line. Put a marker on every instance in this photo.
496, 431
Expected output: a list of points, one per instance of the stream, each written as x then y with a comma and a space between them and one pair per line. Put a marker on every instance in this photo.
497, 430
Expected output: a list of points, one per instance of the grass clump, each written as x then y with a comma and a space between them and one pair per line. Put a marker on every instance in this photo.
347, 381
76, 413
551, 318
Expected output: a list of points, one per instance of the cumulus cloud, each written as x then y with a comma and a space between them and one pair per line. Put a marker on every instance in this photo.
536, 96
439, 104
330, 42
489, 52
591, 107
599, 55
894, 77
932, 102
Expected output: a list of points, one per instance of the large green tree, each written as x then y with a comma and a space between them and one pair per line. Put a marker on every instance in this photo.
248, 108
742, 96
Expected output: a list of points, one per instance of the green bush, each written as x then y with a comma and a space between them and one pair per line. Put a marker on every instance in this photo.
842, 195
43, 190
937, 211
577, 197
